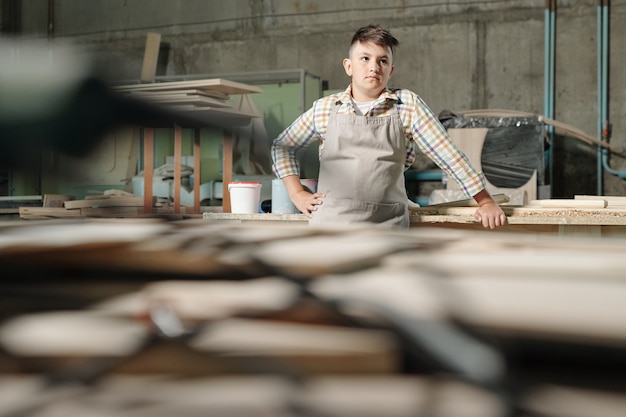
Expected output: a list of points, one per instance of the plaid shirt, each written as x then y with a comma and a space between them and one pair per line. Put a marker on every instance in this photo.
421, 127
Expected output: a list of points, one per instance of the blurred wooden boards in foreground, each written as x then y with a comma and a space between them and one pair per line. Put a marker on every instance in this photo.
553, 273
357, 309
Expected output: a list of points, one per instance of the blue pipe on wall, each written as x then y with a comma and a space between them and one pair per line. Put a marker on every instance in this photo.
603, 92
549, 48
600, 73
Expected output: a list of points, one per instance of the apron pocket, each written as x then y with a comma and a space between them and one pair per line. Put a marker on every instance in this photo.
349, 210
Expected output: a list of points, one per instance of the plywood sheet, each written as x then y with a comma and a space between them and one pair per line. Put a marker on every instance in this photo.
213, 84
196, 97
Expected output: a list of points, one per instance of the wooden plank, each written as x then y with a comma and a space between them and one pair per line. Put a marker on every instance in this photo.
196, 171
218, 96
569, 203
560, 309
81, 334
178, 144
205, 300
177, 99
319, 255
135, 201
213, 84
33, 213
52, 244
612, 201
311, 348
227, 169
148, 168
150, 57
211, 111
56, 200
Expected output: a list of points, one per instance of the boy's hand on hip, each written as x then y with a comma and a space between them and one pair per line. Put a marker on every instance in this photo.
307, 202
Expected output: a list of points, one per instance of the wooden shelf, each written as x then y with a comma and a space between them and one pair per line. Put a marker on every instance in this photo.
200, 103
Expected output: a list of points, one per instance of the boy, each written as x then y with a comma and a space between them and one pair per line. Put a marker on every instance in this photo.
367, 135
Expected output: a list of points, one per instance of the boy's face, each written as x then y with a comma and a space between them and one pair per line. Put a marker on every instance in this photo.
370, 66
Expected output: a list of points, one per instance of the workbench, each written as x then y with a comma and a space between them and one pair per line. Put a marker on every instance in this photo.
523, 219
526, 219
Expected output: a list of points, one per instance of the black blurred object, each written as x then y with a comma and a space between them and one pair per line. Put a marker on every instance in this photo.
266, 206
54, 98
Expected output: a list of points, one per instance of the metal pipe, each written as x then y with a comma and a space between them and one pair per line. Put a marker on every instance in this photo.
603, 93
546, 60
600, 153
549, 58
552, 56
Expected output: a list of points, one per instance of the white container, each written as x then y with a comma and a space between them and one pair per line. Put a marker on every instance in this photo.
245, 197
281, 203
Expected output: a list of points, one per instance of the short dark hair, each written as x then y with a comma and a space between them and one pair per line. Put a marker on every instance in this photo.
377, 34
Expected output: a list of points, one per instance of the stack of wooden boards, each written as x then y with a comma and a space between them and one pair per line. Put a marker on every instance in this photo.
145, 317
205, 96
112, 203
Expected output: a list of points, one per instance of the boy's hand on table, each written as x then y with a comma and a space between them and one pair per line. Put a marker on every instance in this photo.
490, 215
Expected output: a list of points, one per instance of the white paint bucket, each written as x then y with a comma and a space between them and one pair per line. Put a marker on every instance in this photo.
281, 203
245, 197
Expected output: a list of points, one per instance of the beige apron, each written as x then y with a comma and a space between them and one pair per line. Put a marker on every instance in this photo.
362, 171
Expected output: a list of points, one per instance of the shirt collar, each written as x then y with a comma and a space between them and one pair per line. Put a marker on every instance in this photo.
345, 97
387, 94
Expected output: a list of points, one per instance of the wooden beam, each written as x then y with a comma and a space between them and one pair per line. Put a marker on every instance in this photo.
178, 156
196, 171
150, 57
227, 168
148, 168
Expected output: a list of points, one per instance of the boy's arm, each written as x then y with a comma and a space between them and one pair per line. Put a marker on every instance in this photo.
489, 212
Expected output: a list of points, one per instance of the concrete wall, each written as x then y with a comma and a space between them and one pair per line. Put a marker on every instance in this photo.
458, 55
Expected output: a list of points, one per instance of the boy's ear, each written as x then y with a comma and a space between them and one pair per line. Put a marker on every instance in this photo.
347, 66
